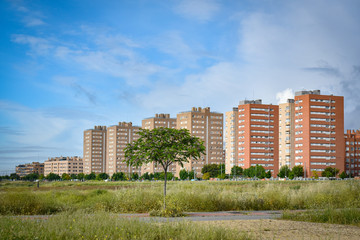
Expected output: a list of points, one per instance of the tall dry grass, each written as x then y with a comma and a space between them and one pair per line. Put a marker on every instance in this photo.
100, 225
186, 196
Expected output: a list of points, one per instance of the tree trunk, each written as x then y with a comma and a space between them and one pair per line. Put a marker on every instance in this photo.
165, 189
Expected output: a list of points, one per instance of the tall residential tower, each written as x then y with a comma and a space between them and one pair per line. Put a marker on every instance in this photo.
118, 136
231, 136
94, 150
208, 126
258, 135
319, 131
287, 133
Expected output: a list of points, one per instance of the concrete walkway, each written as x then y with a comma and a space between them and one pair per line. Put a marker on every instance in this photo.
209, 216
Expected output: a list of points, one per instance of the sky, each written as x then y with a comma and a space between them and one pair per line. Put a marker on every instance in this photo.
66, 66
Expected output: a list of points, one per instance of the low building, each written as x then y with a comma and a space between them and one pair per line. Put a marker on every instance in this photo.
60, 165
28, 168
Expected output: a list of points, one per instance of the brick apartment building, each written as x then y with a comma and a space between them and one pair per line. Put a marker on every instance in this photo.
160, 120
28, 168
60, 165
287, 133
319, 131
208, 126
118, 136
352, 152
258, 135
231, 136
95, 150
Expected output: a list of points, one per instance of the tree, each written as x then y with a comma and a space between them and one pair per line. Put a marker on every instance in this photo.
81, 176
212, 169
183, 174
268, 174
134, 176
343, 175
14, 176
206, 176
73, 176
31, 177
257, 171
65, 176
330, 172
119, 176
236, 171
170, 176
90, 176
192, 174
52, 177
164, 147
298, 171
102, 176
145, 176
284, 171
315, 175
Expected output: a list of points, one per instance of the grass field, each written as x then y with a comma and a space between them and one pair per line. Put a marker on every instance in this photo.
100, 225
347, 216
24, 198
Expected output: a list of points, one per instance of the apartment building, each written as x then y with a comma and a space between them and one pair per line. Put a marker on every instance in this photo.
28, 168
95, 150
352, 152
231, 136
287, 133
319, 131
160, 120
118, 136
258, 135
60, 165
208, 126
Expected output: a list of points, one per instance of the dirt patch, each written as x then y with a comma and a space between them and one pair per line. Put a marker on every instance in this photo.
281, 229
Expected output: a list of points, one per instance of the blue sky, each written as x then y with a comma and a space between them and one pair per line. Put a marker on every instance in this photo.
66, 66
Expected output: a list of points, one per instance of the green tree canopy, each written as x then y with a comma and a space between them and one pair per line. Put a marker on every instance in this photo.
90, 176
212, 169
236, 171
298, 171
119, 176
330, 172
146, 176
81, 176
255, 171
164, 147
343, 175
102, 176
65, 176
52, 177
31, 177
284, 171
14, 176
134, 176
183, 174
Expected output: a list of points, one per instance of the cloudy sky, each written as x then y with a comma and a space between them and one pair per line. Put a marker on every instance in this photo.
66, 66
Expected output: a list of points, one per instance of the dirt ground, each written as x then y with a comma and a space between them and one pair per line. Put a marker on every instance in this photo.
281, 229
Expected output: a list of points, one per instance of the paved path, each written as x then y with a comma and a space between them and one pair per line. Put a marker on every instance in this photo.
210, 216
191, 216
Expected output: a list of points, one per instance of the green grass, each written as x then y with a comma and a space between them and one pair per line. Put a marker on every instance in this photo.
348, 216
126, 197
108, 226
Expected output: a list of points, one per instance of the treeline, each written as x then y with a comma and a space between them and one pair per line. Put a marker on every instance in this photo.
208, 171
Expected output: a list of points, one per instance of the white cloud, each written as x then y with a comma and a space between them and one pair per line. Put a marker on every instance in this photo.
38, 46
283, 96
201, 10
33, 21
